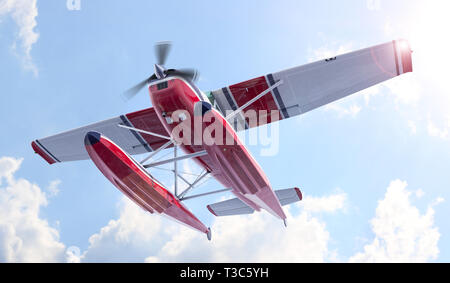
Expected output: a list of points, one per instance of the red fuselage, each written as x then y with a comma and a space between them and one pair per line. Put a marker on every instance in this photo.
230, 163
186, 115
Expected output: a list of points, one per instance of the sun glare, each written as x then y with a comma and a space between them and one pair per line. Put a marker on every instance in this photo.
426, 28
429, 38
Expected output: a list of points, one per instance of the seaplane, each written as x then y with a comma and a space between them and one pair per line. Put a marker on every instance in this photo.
204, 125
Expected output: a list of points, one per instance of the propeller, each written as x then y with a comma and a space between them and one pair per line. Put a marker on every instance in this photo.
162, 50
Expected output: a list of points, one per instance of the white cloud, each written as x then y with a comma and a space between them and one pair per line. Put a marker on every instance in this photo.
24, 13
405, 89
328, 51
8, 166
419, 193
402, 232
139, 236
73, 254
342, 111
412, 127
439, 132
368, 93
331, 203
24, 236
388, 30
427, 87
255, 238
373, 5
53, 188
132, 237
438, 201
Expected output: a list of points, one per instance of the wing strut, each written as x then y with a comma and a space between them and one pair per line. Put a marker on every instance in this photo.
177, 158
175, 170
144, 132
186, 156
191, 186
205, 194
164, 146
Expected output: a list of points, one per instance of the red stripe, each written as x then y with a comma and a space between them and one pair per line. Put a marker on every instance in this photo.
42, 153
299, 193
406, 58
245, 91
210, 210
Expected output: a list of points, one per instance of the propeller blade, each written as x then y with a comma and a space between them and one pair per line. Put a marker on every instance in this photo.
162, 51
188, 73
131, 92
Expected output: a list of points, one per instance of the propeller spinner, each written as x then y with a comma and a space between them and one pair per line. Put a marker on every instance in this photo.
162, 50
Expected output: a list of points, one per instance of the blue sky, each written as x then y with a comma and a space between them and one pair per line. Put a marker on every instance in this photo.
62, 69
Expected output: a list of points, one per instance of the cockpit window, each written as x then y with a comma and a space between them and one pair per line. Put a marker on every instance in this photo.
212, 100
210, 97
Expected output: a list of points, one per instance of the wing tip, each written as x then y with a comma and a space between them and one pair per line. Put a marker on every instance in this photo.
405, 54
37, 149
299, 193
211, 210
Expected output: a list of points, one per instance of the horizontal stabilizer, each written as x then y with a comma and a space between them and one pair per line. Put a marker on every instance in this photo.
229, 207
288, 196
236, 207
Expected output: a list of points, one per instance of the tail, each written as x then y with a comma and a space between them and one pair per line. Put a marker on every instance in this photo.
236, 207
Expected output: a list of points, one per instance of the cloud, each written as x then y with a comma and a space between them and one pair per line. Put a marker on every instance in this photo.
412, 127
73, 254
331, 203
342, 111
139, 236
402, 232
24, 236
406, 90
8, 166
132, 237
426, 88
439, 132
419, 193
256, 238
327, 51
53, 188
24, 13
